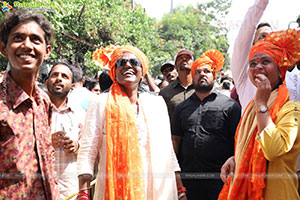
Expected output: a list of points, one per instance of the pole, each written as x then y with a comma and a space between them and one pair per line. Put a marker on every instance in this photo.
171, 11
132, 4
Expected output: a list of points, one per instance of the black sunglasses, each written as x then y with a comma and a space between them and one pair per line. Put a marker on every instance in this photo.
134, 62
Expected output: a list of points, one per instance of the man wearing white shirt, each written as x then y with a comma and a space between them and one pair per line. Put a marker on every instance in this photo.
293, 82
247, 36
66, 124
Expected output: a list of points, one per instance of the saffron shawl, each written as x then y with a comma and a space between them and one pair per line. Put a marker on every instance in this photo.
124, 166
250, 163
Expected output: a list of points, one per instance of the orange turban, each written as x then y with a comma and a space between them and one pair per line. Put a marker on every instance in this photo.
107, 57
212, 58
282, 46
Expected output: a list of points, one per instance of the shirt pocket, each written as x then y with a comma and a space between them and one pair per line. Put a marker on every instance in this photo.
213, 118
9, 151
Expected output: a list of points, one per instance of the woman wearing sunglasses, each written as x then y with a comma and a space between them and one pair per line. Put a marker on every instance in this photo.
129, 129
268, 135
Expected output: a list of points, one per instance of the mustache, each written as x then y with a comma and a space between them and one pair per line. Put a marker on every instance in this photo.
202, 77
185, 67
58, 83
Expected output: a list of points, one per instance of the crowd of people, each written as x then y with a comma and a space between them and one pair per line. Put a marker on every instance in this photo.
196, 132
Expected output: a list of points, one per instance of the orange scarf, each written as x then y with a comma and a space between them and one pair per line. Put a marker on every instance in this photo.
248, 181
124, 165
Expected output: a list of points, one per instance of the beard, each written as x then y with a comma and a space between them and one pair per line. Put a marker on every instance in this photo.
204, 87
183, 67
61, 93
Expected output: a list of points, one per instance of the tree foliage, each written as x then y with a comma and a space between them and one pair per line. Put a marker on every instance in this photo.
100, 23
197, 29
95, 23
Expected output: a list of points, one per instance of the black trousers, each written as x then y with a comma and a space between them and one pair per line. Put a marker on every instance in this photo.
206, 189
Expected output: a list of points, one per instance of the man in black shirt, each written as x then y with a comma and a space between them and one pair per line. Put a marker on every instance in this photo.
203, 129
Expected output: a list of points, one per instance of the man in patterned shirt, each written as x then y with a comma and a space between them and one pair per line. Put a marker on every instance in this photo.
26, 153
66, 124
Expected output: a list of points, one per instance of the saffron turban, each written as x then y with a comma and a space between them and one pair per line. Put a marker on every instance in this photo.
107, 57
212, 58
282, 46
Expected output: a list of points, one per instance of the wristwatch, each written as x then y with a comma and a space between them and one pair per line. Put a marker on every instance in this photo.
262, 109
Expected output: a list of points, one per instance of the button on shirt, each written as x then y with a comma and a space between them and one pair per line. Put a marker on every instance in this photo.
70, 120
26, 153
207, 128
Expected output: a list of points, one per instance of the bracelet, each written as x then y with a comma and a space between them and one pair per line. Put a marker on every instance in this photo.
83, 195
181, 189
181, 195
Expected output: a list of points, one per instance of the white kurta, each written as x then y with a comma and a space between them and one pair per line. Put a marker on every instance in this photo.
161, 159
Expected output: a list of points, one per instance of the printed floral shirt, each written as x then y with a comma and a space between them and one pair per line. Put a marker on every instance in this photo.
26, 154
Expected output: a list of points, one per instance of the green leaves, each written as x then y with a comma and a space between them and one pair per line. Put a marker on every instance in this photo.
196, 29
105, 22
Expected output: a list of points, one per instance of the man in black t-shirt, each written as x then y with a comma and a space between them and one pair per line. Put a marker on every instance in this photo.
203, 129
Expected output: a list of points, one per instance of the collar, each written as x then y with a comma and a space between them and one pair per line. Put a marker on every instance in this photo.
211, 95
68, 108
177, 83
15, 95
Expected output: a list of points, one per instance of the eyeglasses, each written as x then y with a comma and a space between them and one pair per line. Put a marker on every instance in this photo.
134, 62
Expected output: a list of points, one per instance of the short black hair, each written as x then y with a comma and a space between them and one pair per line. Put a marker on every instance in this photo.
87, 80
90, 84
77, 73
262, 25
224, 78
105, 81
226, 85
14, 18
62, 63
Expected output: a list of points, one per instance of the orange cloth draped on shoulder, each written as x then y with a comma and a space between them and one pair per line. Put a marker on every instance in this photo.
250, 164
211, 58
124, 167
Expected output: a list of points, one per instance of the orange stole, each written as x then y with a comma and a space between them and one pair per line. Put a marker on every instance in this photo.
124, 167
248, 181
